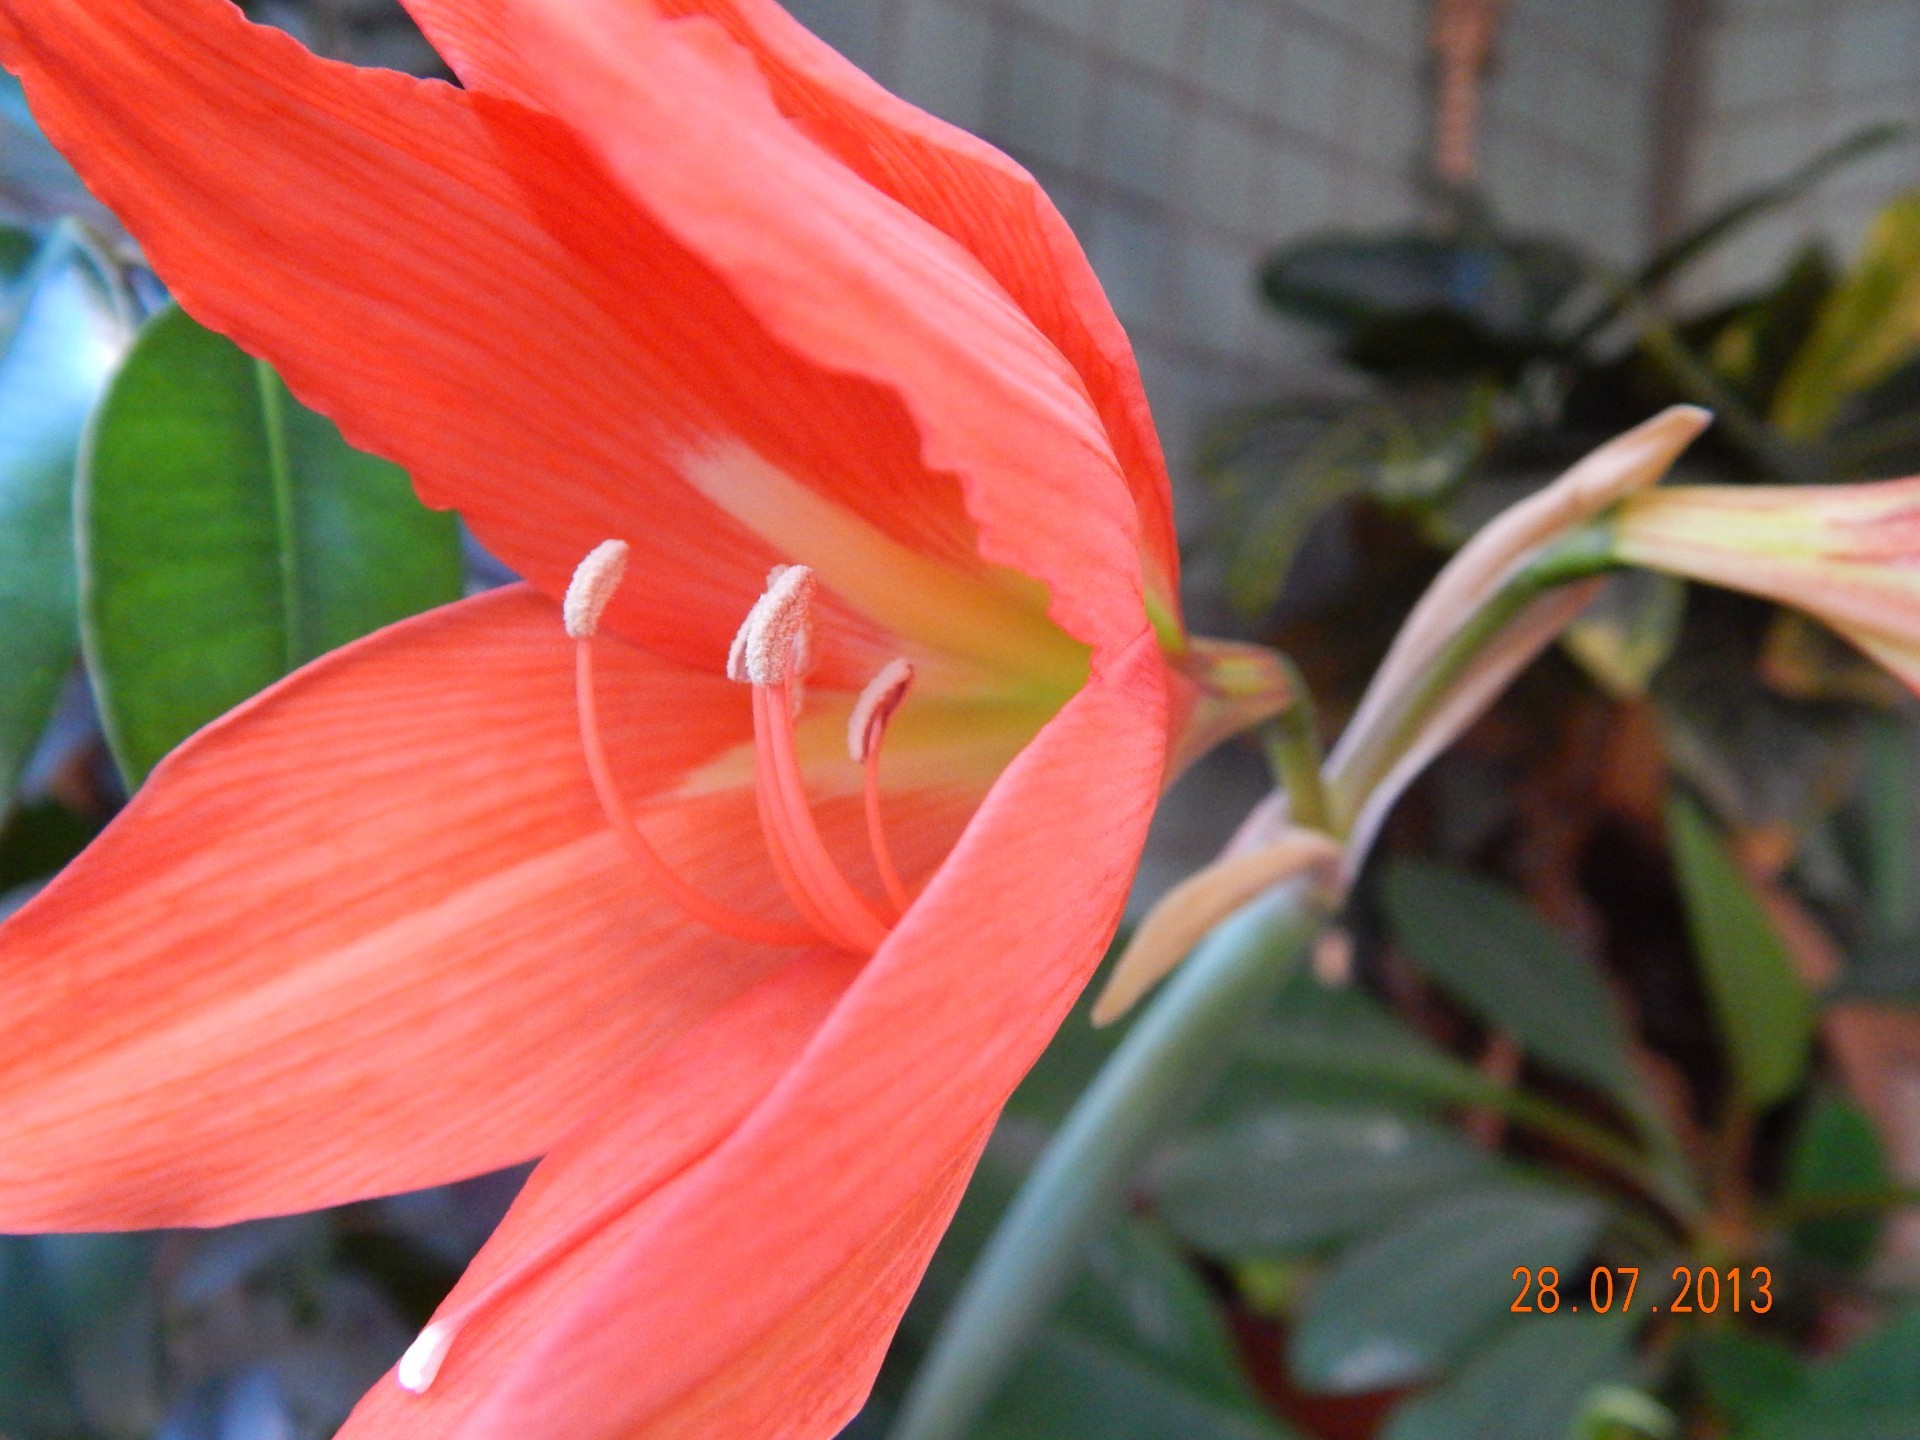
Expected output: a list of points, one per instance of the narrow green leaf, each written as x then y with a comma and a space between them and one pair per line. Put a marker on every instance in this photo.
1529, 1384
1721, 224
68, 334
1298, 1177
1765, 1014
1487, 948
1418, 1296
1868, 326
231, 535
1137, 1354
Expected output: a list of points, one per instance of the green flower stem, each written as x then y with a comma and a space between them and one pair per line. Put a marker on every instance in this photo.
1294, 752
1162, 1068
1578, 555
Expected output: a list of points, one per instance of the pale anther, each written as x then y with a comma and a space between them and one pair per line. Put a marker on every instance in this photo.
594, 581
774, 644
875, 707
422, 1362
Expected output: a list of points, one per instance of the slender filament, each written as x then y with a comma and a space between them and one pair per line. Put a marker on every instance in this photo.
855, 925
708, 912
877, 835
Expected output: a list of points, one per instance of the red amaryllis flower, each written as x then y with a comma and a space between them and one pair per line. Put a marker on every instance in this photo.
672, 274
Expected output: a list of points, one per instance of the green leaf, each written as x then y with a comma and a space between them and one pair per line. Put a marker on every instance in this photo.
1529, 1384
1335, 1044
1746, 1377
231, 535
1867, 327
1766, 1018
1869, 1392
1613, 1411
1487, 948
1294, 1178
1757, 204
1138, 1353
1837, 1151
1418, 1296
67, 335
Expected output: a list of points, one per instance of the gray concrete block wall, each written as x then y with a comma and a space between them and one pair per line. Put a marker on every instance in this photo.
1781, 79
1185, 138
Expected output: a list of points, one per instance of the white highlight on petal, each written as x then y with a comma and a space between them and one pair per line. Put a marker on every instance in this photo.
775, 644
422, 1362
594, 581
875, 707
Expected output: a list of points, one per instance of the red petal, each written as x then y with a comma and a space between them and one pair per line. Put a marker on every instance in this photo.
758, 1293
958, 183
366, 933
845, 275
466, 290
695, 1091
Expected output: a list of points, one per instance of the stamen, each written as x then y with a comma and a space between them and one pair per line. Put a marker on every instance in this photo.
774, 643
855, 924
770, 653
594, 581
866, 728
593, 586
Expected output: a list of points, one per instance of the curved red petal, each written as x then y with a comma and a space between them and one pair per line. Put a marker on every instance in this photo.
756, 1296
466, 290
366, 933
682, 1103
956, 182
844, 274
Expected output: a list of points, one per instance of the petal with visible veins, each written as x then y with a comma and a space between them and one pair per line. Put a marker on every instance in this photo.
366, 933
763, 1286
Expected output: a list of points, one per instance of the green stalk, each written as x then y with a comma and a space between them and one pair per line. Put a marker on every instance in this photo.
273, 418
1172, 1054
1578, 555
1294, 753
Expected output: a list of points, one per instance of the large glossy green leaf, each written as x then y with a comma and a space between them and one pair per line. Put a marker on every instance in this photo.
67, 333
1418, 1296
1529, 1384
1302, 1176
1765, 1014
231, 535
1138, 1353
1487, 948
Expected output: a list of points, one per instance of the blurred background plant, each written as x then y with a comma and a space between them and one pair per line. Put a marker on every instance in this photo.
1634, 987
